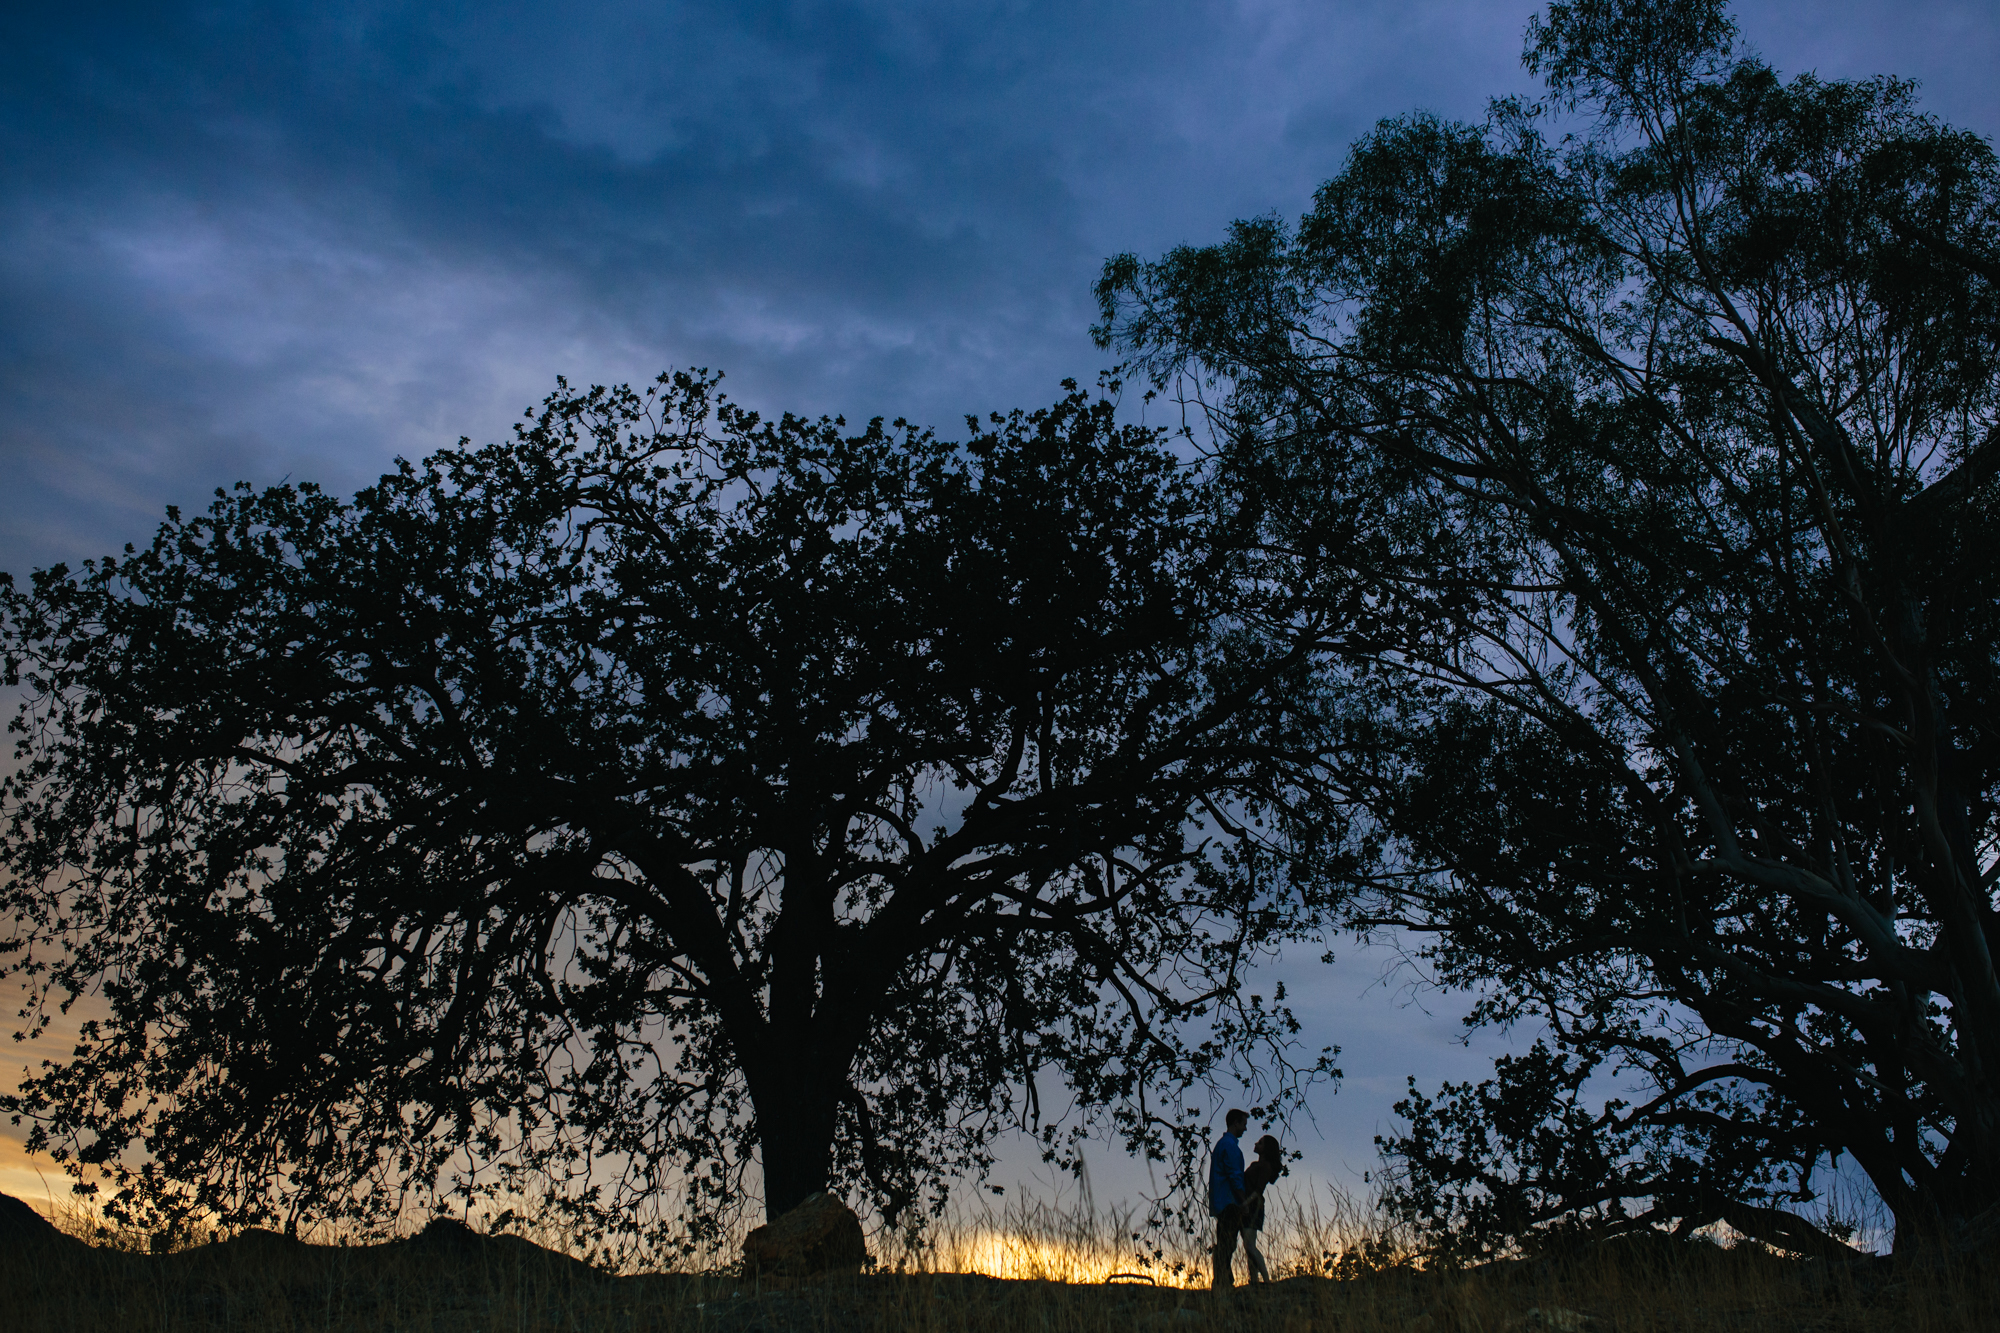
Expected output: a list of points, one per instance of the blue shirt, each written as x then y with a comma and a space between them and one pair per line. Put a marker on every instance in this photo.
1225, 1175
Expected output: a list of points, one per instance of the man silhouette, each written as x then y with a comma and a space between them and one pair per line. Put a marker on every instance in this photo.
1226, 1193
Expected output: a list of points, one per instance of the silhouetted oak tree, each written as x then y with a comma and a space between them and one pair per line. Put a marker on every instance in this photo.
588, 815
1667, 447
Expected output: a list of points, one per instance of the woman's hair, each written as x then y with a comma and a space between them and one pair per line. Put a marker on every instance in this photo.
1268, 1147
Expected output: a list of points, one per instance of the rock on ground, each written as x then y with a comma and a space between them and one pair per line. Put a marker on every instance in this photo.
821, 1235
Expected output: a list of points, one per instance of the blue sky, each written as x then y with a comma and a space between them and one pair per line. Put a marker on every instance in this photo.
266, 240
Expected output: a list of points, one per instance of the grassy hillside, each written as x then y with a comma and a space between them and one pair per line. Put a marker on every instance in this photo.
450, 1278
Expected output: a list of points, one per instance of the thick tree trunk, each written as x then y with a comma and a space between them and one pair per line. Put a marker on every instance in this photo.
795, 1125
798, 1062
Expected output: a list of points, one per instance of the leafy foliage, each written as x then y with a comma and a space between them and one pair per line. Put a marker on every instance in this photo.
1667, 446
579, 818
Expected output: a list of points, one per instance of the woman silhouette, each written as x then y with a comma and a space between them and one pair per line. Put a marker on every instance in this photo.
1267, 1168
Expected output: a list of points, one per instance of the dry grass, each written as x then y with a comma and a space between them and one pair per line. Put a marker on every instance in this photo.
1338, 1273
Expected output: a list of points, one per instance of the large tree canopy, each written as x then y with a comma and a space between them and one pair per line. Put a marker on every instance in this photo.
663, 790
1671, 440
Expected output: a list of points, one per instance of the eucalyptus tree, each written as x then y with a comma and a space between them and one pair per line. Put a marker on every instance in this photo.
585, 817
1659, 418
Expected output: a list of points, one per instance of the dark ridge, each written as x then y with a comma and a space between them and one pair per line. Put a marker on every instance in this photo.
451, 1241
21, 1227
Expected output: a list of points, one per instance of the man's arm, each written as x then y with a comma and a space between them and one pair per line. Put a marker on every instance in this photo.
1232, 1162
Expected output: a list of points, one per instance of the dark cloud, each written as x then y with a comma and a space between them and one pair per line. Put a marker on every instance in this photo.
256, 239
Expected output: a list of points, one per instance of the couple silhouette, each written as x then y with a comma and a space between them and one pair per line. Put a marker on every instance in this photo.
1236, 1198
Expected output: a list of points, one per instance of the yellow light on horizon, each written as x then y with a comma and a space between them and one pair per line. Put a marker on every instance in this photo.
1011, 1254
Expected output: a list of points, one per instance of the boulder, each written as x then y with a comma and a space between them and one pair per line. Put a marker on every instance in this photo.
821, 1235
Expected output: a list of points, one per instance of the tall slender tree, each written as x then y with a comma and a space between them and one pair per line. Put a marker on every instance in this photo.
1672, 436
